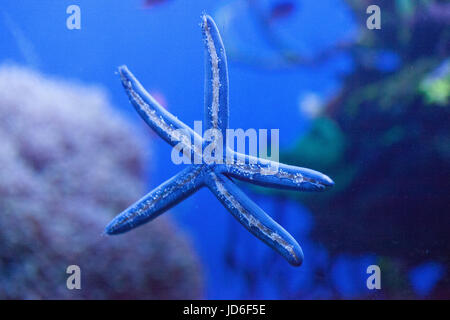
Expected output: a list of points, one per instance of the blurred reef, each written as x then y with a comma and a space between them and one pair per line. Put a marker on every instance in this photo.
69, 162
385, 140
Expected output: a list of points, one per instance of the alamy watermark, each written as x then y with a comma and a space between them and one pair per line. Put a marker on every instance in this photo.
73, 22
212, 147
374, 20
374, 280
74, 280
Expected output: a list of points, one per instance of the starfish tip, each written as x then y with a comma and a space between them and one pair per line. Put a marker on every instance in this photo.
127, 78
112, 228
297, 259
207, 21
327, 182
123, 71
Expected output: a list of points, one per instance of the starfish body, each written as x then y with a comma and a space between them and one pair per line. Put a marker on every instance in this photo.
217, 176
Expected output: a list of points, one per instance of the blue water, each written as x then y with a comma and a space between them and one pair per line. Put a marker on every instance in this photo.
163, 47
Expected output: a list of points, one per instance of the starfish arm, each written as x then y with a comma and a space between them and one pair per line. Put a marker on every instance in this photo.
273, 174
254, 219
216, 78
165, 124
157, 201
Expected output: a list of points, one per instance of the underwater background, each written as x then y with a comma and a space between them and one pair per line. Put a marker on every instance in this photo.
369, 108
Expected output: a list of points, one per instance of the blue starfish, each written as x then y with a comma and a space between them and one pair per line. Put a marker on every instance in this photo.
217, 176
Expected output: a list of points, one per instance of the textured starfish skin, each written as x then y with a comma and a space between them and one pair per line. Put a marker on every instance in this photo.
216, 176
